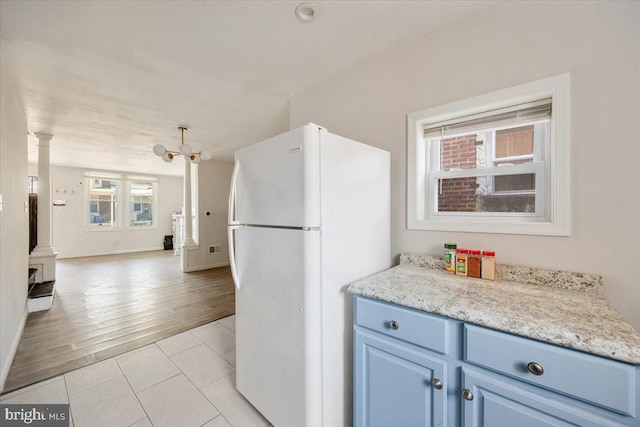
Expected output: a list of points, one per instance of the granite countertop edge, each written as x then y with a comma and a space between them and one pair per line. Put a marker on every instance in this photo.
562, 308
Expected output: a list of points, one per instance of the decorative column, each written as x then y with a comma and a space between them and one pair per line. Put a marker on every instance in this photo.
43, 256
189, 250
188, 211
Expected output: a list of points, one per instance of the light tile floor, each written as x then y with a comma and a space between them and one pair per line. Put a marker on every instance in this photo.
185, 380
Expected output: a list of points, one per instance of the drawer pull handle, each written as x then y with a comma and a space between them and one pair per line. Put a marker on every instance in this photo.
393, 325
466, 394
436, 383
535, 368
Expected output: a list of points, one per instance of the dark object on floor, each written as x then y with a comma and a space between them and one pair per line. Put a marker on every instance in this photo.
168, 243
44, 289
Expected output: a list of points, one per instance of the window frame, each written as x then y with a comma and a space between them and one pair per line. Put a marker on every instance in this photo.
88, 225
553, 219
154, 202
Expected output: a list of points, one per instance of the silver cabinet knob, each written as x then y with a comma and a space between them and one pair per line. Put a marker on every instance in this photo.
535, 368
394, 325
436, 383
466, 394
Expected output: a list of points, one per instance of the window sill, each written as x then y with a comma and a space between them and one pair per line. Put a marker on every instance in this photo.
489, 225
141, 228
101, 228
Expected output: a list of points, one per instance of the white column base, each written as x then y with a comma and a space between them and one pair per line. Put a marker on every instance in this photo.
40, 304
189, 258
45, 261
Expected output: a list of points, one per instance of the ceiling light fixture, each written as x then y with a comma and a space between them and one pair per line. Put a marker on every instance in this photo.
307, 11
184, 149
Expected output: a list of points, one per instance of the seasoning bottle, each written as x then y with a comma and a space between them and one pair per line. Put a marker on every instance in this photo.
473, 263
450, 257
461, 262
489, 265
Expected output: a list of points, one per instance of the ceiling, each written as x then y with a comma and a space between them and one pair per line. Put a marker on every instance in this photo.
110, 79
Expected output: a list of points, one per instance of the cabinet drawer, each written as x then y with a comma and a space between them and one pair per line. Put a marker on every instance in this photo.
601, 381
407, 324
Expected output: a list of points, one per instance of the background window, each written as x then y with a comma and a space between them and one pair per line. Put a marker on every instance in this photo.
141, 204
103, 202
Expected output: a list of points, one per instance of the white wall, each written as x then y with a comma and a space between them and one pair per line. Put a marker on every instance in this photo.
503, 46
213, 181
69, 236
14, 223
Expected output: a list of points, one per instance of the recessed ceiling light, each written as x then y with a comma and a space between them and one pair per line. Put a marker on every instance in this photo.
307, 11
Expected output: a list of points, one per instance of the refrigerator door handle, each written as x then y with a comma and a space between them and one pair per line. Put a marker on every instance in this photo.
232, 255
232, 194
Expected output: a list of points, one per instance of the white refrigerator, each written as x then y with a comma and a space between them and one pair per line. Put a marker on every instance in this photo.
308, 214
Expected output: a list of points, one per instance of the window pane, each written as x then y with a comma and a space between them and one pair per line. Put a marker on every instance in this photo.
514, 142
102, 202
141, 204
460, 152
474, 194
525, 182
485, 149
32, 183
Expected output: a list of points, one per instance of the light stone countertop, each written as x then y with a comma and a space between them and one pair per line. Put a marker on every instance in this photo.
567, 309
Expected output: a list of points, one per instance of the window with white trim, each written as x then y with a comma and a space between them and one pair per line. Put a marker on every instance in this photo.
494, 163
102, 194
142, 203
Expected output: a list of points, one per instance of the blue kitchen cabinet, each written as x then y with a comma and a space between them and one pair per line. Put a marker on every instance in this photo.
492, 402
413, 368
399, 386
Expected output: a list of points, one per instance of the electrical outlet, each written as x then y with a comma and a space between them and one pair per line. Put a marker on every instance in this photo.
215, 249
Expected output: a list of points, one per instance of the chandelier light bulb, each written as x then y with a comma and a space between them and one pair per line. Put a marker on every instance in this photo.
205, 155
159, 150
167, 157
195, 158
185, 149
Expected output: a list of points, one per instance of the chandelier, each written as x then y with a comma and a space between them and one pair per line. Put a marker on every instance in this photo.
184, 149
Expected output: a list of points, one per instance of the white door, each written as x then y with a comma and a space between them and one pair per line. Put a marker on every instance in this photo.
277, 181
278, 323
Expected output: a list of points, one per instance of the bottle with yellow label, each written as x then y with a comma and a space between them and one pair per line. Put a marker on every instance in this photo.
450, 257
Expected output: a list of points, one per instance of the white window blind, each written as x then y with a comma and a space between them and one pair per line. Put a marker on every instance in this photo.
520, 114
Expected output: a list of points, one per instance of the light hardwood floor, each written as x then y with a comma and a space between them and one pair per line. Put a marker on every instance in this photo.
108, 305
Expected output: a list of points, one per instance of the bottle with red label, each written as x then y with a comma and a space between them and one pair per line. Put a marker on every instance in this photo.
489, 265
461, 262
473, 263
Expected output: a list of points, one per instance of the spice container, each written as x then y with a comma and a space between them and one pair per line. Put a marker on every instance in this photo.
450, 257
489, 265
461, 262
473, 263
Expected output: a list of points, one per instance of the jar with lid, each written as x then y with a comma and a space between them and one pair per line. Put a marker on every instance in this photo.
461, 262
473, 263
450, 257
489, 265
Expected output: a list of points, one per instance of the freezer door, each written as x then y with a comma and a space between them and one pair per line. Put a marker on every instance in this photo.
278, 323
277, 181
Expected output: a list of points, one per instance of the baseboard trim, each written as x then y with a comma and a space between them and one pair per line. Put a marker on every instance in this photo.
130, 251
206, 267
14, 348
118, 252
